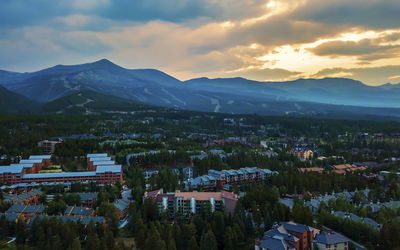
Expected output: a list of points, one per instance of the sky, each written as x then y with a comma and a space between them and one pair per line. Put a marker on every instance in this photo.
273, 40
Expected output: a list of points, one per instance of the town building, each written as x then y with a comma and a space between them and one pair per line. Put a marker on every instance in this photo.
187, 172
11, 174
10, 218
217, 178
28, 171
287, 235
25, 211
49, 146
302, 153
343, 169
122, 207
78, 211
368, 221
88, 199
148, 175
189, 203
103, 174
93, 164
28, 197
94, 160
331, 240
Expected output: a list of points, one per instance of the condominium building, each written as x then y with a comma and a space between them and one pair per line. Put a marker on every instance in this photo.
94, 160
189, 203
103, 174
216, 178
49, 146
28, 171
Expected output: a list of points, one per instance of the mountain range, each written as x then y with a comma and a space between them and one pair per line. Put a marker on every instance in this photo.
101, 83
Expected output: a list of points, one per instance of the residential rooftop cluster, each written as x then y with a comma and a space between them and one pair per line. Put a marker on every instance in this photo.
26, 206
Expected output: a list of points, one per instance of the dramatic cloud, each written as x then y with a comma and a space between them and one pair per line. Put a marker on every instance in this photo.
376, 14
256, 39
384, 42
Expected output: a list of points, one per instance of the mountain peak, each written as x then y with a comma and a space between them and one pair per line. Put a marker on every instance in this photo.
104, 62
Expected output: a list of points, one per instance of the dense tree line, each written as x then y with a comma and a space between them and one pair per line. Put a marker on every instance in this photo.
53, 233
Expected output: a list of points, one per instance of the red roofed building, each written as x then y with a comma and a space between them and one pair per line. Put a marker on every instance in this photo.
192, 202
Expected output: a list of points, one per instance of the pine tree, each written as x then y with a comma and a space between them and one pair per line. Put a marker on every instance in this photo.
228, 239
140, 233
193, 244
92, 242
3, 226
20, 232
57, 242
113, 217
177, 232
76, 245
188, 231
171, 244
208, 241
155, 241
219, 228
110, 241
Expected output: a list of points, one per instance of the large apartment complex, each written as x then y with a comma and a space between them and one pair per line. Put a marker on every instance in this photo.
216, 178
28, 171
188, 203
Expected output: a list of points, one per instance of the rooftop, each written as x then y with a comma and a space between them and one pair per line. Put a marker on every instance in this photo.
31, 161
24, 165
11, 169
296, 227
96, 219
98, 163
84, 211
205, 195
276, 244
330, 238
39, 157
106, 169
87, 196
96, 155
121, 204
95, 159
58, 175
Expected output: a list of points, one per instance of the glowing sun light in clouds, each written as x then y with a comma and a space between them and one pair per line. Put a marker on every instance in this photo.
273, 8
300, 57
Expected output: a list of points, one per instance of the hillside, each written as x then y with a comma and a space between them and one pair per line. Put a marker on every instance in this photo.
91, 102
12, 102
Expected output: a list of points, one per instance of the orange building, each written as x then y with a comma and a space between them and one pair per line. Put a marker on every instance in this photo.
342, 169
